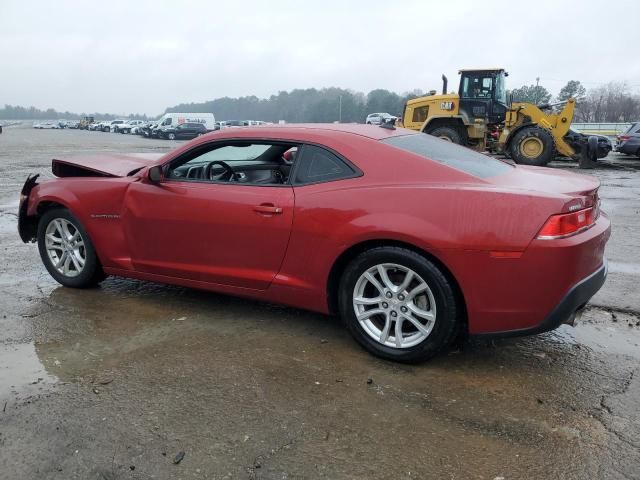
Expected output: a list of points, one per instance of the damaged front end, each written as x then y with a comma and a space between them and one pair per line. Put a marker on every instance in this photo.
588, 148
27, 226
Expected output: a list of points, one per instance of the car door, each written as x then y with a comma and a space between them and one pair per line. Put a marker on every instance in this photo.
220, 233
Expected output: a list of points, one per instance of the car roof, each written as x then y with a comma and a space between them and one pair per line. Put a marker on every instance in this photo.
299, 130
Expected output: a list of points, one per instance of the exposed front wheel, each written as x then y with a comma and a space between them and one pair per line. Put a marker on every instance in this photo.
66, 250
532, 146
398, 305
171, 136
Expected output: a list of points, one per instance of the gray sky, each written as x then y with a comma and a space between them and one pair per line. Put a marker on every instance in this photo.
143, 56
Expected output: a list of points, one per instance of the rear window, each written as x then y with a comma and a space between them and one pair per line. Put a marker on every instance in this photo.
634, 128
450, 154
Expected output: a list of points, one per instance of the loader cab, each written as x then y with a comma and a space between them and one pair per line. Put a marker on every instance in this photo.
483, 94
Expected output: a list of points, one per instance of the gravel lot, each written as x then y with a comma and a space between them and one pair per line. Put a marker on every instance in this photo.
115, 382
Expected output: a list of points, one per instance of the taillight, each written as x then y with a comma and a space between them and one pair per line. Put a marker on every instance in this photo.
567, 224
623, 138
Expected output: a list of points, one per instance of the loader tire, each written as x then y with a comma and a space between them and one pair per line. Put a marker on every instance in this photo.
450, 134
532, 146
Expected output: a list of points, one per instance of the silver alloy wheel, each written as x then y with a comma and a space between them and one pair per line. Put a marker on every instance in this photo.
65, 247
394, 305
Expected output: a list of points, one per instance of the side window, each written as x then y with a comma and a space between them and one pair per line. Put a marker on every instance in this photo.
238, 162
465, 87
167, 121
420, 114
320, 165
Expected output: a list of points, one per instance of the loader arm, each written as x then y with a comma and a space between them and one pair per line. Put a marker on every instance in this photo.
557, 124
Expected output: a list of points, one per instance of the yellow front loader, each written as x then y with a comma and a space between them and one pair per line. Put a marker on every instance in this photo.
480, 116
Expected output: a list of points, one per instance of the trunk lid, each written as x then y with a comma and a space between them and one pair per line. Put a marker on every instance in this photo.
102, 165
547, 180
581, 190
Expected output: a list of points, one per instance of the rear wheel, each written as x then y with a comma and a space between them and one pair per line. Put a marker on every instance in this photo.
66, 250
532, 146
450, 134
398, 305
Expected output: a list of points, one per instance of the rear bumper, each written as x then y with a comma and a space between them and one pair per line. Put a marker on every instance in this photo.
564, 311
626, 148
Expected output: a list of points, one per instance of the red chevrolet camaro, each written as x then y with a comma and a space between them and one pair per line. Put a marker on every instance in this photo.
410, 239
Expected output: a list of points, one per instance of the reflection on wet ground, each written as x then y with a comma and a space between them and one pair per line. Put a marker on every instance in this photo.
113, 382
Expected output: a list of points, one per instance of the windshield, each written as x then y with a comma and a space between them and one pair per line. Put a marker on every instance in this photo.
501, 92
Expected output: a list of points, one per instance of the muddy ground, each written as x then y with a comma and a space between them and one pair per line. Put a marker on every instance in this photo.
115, 382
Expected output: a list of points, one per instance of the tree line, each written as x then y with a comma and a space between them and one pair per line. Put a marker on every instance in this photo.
304, 105
613, 102
14, 112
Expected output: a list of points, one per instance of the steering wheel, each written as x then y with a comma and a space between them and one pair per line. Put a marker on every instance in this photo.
229, 174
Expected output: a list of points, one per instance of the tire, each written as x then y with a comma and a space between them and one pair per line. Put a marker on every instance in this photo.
368, 123
450, 134
532, 146
438, 300
88, 275
171, 136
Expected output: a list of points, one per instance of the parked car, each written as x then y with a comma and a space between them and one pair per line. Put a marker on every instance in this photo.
112, 126
126, 127
604, 146
146, 129
135, 130
101, 126
377, 118
172, 119
46, 126
184, 131
410, 239
233, 123
629, 142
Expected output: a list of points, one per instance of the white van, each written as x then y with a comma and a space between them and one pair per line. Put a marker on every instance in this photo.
174, 119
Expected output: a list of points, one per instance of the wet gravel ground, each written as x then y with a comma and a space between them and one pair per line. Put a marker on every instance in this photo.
117, 382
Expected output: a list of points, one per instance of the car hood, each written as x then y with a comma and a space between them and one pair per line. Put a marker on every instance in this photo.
102, 164
547, 180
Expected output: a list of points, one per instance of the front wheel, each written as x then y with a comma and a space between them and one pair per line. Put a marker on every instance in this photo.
532, 146
171, 136
398, 305
66, 250
449, 134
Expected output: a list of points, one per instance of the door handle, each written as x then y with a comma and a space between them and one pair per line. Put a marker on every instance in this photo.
268, 209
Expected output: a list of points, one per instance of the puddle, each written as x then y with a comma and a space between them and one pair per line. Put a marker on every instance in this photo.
21, 373
606, 332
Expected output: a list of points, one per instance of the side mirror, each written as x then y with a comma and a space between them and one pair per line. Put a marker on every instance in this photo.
155, 174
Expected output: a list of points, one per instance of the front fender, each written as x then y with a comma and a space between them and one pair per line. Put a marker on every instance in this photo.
49, 192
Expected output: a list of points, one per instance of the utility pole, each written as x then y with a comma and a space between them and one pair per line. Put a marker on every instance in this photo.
536, 94
340, 109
